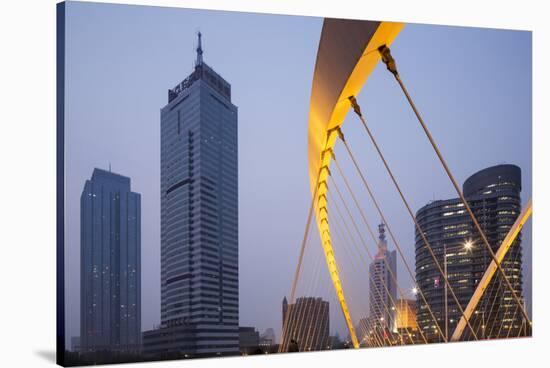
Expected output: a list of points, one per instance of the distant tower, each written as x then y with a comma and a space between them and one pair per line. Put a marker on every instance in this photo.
110, 262
382, 287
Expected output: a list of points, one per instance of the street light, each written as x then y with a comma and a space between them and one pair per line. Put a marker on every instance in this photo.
468, 245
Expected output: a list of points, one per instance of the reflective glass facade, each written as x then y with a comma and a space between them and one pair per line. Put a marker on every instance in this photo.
199, 220
494, 196
110, 274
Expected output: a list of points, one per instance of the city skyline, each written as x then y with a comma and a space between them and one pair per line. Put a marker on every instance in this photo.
298, 188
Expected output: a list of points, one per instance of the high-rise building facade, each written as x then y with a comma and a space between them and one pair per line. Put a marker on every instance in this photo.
305, 324
110, 264
494, 196
382, 286
199, 218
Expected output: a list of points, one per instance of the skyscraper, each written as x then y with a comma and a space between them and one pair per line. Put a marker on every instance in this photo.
307, 323
382, 286
199, 218
110, 264
494, 197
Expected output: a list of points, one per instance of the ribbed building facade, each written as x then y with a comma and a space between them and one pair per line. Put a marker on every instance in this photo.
306, 324
494, 196
110, 264
199, 219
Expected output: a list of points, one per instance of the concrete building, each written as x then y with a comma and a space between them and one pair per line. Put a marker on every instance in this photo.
494, 196
307, 324
199, 219
110, 264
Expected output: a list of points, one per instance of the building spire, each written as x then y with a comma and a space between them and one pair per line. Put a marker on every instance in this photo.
382, 232
199, 50
382, 243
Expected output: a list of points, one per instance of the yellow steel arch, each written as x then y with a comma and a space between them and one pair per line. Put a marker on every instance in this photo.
346, 56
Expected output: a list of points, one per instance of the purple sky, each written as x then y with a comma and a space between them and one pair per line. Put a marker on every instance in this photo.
473, 87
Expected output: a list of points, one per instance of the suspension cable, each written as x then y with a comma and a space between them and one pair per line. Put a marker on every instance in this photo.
303, 308
295, 329
350, 236
392, 68
379, 210
312, 301
340, 232
394, 239
363, 242
299, 265
314, 337
405, 202
365, 221
506, 313
494, 290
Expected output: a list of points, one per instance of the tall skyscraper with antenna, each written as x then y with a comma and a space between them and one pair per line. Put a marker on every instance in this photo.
199, 219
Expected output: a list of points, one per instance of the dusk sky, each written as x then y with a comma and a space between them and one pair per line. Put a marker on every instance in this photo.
472, 86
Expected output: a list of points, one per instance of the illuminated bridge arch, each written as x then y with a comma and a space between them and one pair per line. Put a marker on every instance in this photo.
347, 54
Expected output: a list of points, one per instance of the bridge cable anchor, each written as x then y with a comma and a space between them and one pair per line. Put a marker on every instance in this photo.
341, 134
388, 59
355, 105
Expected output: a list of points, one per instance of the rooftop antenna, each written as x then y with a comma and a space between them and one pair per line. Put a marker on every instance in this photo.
199, 50
382, 244
109, 166
382, 231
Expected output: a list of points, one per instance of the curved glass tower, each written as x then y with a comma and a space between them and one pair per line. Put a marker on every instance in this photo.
494, 196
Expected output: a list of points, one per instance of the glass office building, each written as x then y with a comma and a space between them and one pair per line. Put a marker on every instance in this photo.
199, 219
110, 268
494, 197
